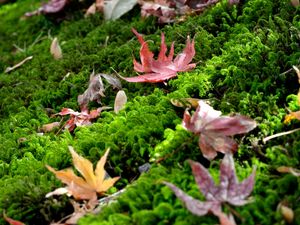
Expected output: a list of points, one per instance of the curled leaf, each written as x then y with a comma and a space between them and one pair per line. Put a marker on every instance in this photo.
120, 101
55, 49
96, 89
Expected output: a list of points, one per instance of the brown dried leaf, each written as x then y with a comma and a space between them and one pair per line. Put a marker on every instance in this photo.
55, 49
286, 169
287, 213
120, 101
49, 127
186, 102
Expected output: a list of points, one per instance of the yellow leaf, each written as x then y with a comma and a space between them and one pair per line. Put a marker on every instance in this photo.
88, 186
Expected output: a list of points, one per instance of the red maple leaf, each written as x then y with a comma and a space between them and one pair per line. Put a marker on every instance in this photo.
228, 191
82, 118
214, 129
164, 67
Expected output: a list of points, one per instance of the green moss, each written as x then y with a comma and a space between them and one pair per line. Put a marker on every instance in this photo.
242, 54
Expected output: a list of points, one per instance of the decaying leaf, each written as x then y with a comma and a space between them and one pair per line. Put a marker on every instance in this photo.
49, 127
52, 7
91, 10
164, 67
120, 101
286, 169
8, 69
80, 210
214, 130
186, 102
96, 89
286, 212
114, 9
12, 221
229, 190
97, 6
90, 184
79, 119
55, 49
163, 9
295, 3
168, 10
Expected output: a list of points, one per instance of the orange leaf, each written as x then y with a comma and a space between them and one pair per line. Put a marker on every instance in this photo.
88, 186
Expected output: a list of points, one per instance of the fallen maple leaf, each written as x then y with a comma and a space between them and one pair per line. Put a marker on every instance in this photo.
228, 191
79, 119
53, 6
164, 67
214, 129
88, 186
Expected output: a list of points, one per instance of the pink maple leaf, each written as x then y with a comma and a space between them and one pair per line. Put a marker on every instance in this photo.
214, 130
164, 67
82, 118
228, 191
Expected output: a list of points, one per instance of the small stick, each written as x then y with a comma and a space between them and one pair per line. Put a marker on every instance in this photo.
8, 69
279, 134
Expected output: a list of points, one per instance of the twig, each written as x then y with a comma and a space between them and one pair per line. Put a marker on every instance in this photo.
279, 134
8, 69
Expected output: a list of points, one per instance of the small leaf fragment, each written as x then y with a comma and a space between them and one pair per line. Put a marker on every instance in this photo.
120, 101
55, 49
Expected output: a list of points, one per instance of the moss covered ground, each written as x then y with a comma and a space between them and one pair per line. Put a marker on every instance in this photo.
242, 54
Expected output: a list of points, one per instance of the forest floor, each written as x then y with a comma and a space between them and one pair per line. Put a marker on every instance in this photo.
246, 62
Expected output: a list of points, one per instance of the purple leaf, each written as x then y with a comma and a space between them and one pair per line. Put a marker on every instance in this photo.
229, 190
53, 6
214, 129
193, 205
